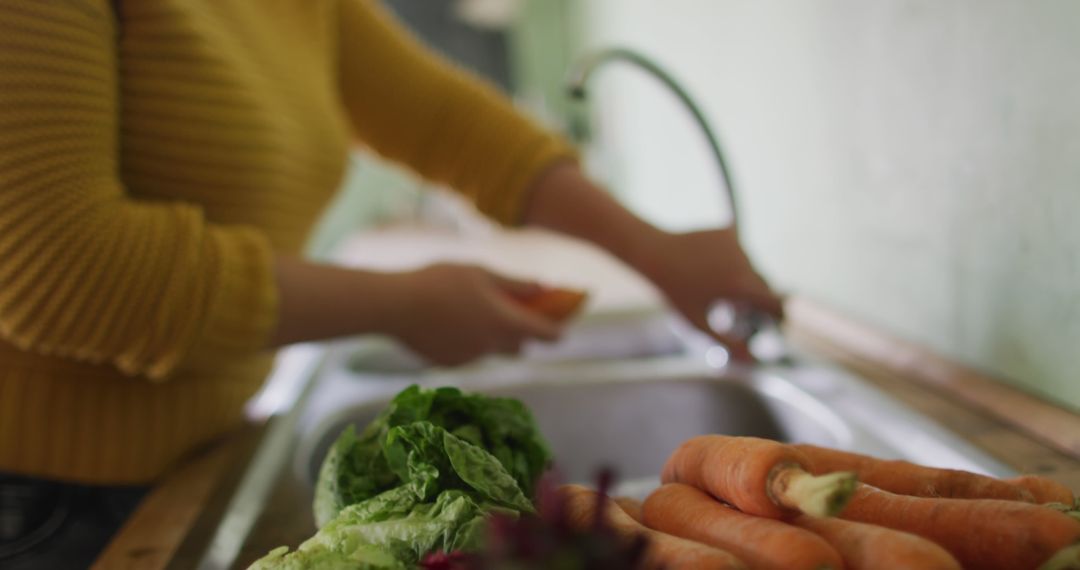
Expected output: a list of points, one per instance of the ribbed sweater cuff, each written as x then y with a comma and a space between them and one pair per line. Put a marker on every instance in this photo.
244, 300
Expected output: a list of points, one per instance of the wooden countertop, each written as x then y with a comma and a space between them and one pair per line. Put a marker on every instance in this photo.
1031, 435
153, 538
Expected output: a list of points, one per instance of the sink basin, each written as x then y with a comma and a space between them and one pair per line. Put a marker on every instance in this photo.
630, 415
630, 421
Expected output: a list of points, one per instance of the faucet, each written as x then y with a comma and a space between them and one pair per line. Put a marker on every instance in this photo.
580, 74
731, 318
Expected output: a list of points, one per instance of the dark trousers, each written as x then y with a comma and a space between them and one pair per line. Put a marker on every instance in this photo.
56, 526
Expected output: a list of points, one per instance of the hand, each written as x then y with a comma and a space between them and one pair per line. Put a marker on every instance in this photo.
697, 269
694, 270
456, 313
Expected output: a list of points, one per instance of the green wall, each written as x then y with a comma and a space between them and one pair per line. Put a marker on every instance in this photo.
543, 44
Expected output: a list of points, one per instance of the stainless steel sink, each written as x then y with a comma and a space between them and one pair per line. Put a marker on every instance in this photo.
631, 426
630, 415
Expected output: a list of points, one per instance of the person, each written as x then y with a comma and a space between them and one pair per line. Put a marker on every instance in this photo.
161, 163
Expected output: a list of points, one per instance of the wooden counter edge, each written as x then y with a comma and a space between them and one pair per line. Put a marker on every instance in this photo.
873, 352
150, 537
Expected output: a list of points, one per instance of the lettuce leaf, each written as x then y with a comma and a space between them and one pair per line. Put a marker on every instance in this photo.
356, 467
423, 476
323, 558
391, 531
353, 470
430, 459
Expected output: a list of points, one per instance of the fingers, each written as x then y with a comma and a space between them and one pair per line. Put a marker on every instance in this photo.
517, 288
510, 346
758, 293
519, 322
522, 323
769, 302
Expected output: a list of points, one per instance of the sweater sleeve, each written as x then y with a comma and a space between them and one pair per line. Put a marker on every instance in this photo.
417, 109
88, 272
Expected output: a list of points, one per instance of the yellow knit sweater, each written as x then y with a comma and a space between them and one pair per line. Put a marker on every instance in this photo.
148, 173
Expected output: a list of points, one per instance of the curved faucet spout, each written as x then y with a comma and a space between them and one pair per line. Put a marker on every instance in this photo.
736, 319
579, 77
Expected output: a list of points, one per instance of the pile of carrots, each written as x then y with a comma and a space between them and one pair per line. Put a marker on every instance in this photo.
749, 503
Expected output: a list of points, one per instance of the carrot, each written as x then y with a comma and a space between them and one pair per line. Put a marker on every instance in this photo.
758, 476
905, 478
1044, 490
764, 543
555, 303
663, 551
981, 533
630, 506
869, 547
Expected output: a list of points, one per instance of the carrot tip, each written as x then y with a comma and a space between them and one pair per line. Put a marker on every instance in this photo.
1067, 558
818, 496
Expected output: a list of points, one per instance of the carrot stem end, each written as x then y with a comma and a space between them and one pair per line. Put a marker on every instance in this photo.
817, 496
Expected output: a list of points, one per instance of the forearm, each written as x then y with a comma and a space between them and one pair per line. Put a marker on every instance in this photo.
563, 199
318, 302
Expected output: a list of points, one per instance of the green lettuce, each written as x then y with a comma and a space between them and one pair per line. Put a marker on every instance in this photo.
322, 558
430, 459
422, 477
357, 468
390, 531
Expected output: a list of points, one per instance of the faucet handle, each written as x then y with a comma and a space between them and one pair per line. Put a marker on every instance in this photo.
737, 319
758, 329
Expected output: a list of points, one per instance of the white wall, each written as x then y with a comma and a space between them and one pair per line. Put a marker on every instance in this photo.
915, 163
